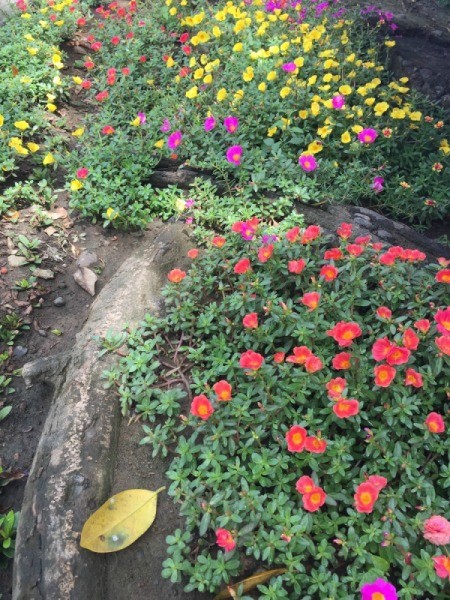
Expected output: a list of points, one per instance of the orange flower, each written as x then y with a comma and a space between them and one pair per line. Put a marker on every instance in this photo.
201, 407
300, 356
342, 361
223, 390
314, 499
250, 321
344, 333
365, 497
251, 360
346, 408
344, 230
296, 438
176, 275
435, 423
218, 241
328, 272
315, 445
384, 374
311, 300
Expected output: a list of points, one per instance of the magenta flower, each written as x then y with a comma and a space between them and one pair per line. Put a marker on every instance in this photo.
289, 67
234, 155
165, 127
377, 184
379, 590
307, 162
174, 140
142, 118
231, 124
338, 102
367, 136
209, 123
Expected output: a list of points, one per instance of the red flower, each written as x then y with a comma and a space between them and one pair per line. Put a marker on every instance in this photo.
384, 374
251, 360
296, 266
355, 249
378, 481
89, 64
315, 445
293, 234
115, 40
278, 357
413, 378
335, 387
101, 96
225, 540
218, 241
184, 38
265, 253
314, 499
333, 254
82, 173
346, 408
398, 356
387, 259
86, 85
344, 333
344, 230
442, 318
443, 343
242, 266
296, 438
423, 325
250, 321
311, 300
305, 485
223, 390
311, 233
300, 356
108, 130
313, 364
382, 348
435, 423
443, 276
365, 497
384, 312
410, 339
193, 253
201, 407
363, 239
328, 272
125, 71
176, 275
342, 361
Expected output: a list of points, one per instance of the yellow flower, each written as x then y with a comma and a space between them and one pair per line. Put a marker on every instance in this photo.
198, 73
43, 24
444, 147
357, 128
49, 159
389, 43
51, 107
403, 79
57, 80
77, 80
271, 76
56, 60
285, 91
312, 80
346, 138
398, 113
207, 79
173, 11
324, 131
111, 214
362, 91
32, 51
202, 37
135, 122
272, 131
345, 90
22, 125
192, 92
369, 101
285, 46
159, 144
315, 108
221, 94
26, 80
415, 116
248, 74
303, 114
33, 147
262, 87
238, 47
170, 62
327, 77
28, 37
299, 62
380, 108
75, 185
216, 31
315, 147
2, 120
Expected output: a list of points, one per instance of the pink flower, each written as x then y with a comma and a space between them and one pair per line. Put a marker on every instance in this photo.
436, 530
174, 140
225, 540
378, 590
377, 184
289, 67
338, 102
307, 162
209, 123
234, 155
165, 127
442, 566
231, 124
367, 136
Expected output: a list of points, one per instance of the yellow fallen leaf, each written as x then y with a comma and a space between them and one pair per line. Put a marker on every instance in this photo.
120, 521
249, 583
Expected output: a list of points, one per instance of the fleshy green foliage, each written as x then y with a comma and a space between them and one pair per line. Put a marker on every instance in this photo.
233, 470
8, 528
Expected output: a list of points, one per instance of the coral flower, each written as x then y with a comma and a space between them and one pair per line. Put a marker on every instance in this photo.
209, 123
315, 445
436, 530
251, 360
345, 409
398, 356
422, 325
384, 312
344, 333
278, 357
384, 374
296, 266
296, 438
307, 162
313, 364
176, 275
225, 540
311, 233
355, 249
413, 378
314, 499
174, 140
365, 497
242, 266
442, 318
336, 387
442, 566
367, 136
82, 173
410, 339
265, 253
328, 272
300, 356
435, 423
344, 230
218, 241
378, 590
108, 130
192, 253
304, 485
223, 390
378, 481
382, 348
311, 300
201, 407
293, 234
443, 343
341, 361
333, 254
231, 124
250, 321
234, 154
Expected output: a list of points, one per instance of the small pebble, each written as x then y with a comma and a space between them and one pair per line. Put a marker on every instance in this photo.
42, 332
20, 351
62, 285
59, 301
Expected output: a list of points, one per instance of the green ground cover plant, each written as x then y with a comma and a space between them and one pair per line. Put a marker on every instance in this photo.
303, 390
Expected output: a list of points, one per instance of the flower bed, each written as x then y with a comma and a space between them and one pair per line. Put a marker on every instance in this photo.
312, 432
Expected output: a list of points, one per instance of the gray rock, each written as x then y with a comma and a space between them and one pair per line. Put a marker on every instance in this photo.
16, 261
42, 332
20, 351
43, 273
86, 259
364, 222
384, 235
59, 301
44, 369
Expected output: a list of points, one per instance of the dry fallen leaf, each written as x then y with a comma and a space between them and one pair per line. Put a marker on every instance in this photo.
248, 583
